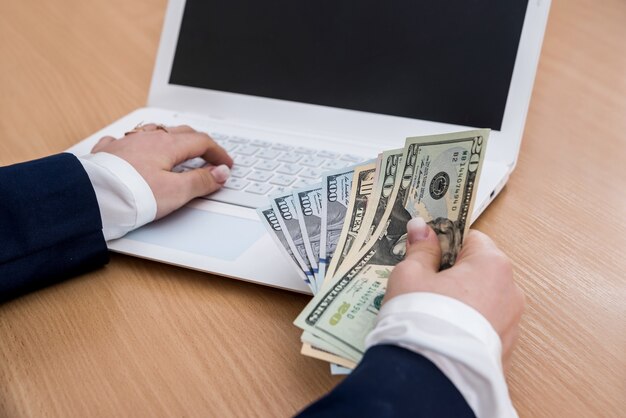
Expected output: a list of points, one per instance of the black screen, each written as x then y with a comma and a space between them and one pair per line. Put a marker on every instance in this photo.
445, 61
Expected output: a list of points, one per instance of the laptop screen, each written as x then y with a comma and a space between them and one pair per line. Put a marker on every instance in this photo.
444, 61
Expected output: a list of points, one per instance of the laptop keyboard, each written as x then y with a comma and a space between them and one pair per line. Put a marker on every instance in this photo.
264, 168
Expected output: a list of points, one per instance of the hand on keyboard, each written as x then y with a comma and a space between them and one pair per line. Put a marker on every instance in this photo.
154, 151
262, 168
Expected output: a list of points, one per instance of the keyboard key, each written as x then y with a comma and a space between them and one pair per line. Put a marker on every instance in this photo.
267, 165
247, 150
238, 171
238, 140
218, 136
258, 188
290, 157
243, 161
282, 180
351, 158
282, 147
304, 150
260, 143
261, 176
312, 161
269, 154
327, 154
235, 183
238, 197
228, 146
311, 173
335, 165
194, 163
289, 169
279, 190
300, 183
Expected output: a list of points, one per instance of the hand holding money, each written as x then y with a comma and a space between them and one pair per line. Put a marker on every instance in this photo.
346, 235
482, 278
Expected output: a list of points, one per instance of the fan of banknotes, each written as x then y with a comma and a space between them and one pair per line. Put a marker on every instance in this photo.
345, 235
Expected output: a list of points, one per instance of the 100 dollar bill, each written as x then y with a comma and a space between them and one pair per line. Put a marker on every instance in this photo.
308, 203
270, 221
362, 188
287, 216
336, 187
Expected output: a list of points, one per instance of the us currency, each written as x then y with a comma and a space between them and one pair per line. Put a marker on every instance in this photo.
384, 187
270, 221
336, 186
319, 343
443, 190
318, 353
439, 183
336, 369
362, 188
285, 209
349, 322
308, 203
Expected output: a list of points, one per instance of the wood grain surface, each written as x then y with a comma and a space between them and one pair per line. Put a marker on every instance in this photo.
138, 338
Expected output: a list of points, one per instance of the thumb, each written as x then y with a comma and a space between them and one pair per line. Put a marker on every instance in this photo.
204, 181
423, 245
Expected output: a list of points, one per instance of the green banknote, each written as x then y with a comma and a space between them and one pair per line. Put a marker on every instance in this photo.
270, 221
336, 187
308, 204
438, 181
362, 188
390, 160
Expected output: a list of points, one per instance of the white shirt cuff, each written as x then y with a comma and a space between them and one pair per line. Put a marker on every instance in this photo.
126, 201
457, 339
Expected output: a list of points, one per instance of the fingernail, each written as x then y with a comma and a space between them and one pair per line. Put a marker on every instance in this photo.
221, 173
417, 230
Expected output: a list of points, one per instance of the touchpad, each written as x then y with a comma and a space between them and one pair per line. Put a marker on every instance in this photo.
201, 232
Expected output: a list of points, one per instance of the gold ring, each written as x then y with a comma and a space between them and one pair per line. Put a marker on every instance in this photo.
140, 127
137, 128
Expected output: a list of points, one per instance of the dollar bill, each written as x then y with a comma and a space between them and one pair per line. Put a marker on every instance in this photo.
270, 221
384, 186
443, 189
318, 353
362, 188
287, 216
336, 369
336, 186
330, 347
308, 203
438, 182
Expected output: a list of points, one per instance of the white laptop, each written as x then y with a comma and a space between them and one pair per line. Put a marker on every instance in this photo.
291, 89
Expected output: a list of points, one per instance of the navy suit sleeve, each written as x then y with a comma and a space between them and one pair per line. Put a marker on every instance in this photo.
50, 226
391, 381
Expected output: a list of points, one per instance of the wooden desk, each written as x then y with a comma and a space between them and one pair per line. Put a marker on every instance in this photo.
144, 339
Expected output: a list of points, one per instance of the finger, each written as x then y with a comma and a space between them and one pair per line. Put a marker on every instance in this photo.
103, 142
196, 144
204, 181
147, 127
423, 245
476, 243
180, 129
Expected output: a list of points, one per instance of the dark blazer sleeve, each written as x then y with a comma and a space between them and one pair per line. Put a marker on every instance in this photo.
50, 226
391, 381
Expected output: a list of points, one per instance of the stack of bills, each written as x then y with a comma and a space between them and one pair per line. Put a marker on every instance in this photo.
345, 235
